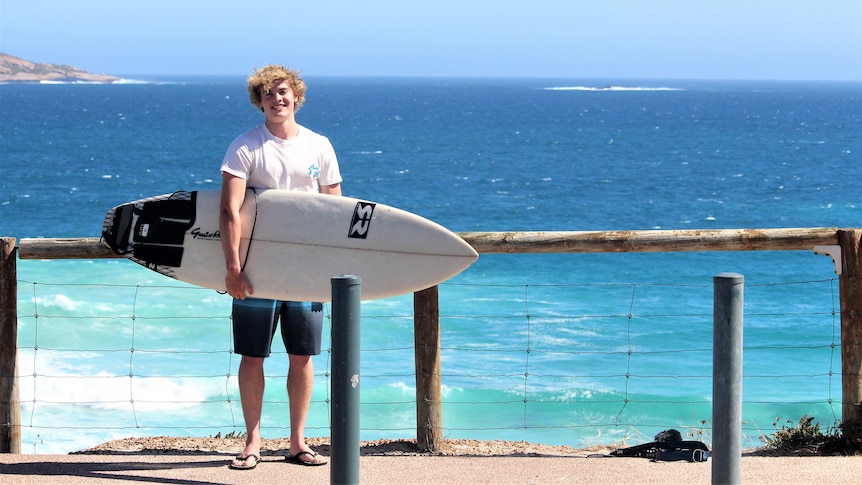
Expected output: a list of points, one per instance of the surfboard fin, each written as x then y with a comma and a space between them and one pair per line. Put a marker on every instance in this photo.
116, 234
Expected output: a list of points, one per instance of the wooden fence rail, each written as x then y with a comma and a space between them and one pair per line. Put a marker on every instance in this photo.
843, 245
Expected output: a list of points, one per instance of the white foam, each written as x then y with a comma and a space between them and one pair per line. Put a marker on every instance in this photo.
611, 88
63, 378
59, 300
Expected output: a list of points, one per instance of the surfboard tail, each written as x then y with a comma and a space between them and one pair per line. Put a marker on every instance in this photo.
152, 229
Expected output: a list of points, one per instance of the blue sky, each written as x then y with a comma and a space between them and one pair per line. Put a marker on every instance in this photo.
616, 39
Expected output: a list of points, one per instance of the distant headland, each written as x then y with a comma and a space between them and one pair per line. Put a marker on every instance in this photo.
16, 70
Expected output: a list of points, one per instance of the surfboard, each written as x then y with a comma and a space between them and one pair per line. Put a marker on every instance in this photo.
292, 243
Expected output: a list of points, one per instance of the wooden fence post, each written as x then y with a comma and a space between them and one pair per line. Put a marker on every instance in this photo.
426, 334
10, 404
850, 297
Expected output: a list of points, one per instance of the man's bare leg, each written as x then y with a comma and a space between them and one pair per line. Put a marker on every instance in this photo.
251, 387
300, 382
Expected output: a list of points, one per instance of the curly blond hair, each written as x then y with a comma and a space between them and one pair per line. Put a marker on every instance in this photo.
268, 76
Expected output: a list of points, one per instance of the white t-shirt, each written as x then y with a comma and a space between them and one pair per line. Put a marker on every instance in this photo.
268, 162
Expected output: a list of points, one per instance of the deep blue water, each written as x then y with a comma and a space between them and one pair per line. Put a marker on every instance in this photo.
540, 342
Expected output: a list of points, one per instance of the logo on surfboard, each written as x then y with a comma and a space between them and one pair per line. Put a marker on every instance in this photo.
198, 233
361, 222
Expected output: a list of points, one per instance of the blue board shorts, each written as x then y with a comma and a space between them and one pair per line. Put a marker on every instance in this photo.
255, 321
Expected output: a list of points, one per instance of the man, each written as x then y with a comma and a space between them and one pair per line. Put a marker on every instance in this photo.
278, 154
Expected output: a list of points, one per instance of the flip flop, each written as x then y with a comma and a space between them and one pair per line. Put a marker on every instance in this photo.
245, 458
296, 460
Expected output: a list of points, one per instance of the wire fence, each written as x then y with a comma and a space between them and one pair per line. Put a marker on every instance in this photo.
559, 364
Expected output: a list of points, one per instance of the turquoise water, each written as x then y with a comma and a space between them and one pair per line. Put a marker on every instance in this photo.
563, 349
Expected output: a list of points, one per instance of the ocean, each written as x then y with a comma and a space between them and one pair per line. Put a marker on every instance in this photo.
570, 349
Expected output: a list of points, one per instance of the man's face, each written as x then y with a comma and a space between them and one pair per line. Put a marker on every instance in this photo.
278, 101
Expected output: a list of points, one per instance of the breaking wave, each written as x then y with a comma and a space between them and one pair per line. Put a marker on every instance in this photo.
611, 88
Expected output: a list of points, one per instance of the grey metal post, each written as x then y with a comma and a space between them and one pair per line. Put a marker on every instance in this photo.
346, 299
727, 379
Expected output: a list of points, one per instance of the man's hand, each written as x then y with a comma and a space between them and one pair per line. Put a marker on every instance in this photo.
238, 285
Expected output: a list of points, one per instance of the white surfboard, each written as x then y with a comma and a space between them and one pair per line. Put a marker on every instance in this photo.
292, 244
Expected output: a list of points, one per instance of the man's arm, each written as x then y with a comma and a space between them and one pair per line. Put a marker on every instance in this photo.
230, 230
334, 189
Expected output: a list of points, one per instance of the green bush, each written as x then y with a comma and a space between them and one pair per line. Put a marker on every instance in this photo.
806, 437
